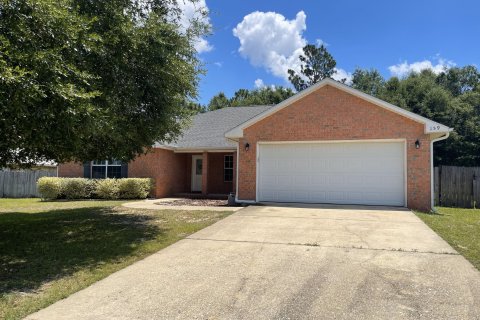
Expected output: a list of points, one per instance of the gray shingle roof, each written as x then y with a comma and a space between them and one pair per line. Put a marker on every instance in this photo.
208, 129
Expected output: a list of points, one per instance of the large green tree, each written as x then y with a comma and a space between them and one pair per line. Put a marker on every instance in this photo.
316, 64
82, 79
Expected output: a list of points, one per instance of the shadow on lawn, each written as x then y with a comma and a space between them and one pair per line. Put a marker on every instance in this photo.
35, 248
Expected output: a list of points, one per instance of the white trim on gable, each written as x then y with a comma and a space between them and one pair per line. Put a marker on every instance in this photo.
430, 125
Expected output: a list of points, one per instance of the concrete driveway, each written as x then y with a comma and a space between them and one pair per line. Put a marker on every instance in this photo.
268, 262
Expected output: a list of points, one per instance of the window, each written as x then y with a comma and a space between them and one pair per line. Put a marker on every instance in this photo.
106, 169
228, 168
198, 166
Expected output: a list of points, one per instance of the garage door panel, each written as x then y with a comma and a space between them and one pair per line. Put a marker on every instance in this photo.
320, 196
302, 196
357, 173
318, 180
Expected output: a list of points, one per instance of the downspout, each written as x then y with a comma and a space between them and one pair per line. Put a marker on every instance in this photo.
432, 172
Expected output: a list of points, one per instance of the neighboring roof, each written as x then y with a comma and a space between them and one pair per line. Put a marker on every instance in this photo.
208, 129
430, 125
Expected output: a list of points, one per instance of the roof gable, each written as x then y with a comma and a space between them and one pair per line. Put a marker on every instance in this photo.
430, 125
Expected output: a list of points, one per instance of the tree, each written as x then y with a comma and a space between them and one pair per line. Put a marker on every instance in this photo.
316, 64
195, 107
459, 80
368, 81
261, 96
218, 102
83, 80
245, 97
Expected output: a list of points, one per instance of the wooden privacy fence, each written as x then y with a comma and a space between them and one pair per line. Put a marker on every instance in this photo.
457, 186
22, 183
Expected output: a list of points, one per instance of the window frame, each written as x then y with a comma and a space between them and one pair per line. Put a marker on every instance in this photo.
225, 168
105, 164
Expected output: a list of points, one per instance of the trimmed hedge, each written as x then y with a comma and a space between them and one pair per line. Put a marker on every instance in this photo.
76, 188
107, 189
80, 188
49, 187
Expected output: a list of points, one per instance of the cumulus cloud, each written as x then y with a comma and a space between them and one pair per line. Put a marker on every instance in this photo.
403, 69
194, 11
341, 74
269, 40
259, 84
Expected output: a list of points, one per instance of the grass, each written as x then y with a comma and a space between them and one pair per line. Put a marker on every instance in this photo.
49, 250
460, 228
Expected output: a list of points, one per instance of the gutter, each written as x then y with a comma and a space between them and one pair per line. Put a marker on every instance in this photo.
432, 172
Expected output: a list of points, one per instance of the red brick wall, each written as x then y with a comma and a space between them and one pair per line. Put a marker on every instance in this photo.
167, 168
70, 170
216, 183
332, 114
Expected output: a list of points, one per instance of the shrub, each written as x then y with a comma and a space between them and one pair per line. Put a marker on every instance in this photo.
80, 188
107, 189
134, 188
76, 188
49, 187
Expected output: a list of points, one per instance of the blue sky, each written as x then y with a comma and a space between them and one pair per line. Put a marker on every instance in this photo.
393, 37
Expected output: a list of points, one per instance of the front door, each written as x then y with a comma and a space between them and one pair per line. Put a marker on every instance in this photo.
197, 164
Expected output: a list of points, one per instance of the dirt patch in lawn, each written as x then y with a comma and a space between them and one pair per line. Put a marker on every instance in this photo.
194, 202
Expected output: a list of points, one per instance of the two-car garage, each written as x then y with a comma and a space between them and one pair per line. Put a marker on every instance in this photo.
360, 172
331, 143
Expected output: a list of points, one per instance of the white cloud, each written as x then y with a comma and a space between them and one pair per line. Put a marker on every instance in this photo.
218, 64
403, 69
341, 74
259, 84
192, 10
320, 42
269, 40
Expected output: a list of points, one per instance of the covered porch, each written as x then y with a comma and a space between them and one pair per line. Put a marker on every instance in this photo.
209, 174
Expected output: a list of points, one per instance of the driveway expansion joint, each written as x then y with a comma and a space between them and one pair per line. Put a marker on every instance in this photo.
325, 246
327, 218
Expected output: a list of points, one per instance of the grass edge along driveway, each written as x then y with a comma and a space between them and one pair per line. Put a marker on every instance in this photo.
459, 227
50, 250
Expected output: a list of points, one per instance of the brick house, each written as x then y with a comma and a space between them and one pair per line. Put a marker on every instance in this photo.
327, 144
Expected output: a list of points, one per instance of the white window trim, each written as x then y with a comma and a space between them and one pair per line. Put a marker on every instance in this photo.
106, 165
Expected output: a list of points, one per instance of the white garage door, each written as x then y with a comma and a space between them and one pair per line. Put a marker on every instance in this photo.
370, 173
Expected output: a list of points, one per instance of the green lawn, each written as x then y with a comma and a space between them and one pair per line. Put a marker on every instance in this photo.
460, 228
49, 250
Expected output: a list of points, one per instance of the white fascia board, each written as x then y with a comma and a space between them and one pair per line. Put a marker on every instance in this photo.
196, 149
430, 125
205, 149
163, 147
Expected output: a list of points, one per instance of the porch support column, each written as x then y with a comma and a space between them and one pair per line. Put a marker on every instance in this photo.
205, 173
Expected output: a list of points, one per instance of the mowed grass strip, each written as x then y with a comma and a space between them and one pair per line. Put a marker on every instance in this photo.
49, 250
460, 228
